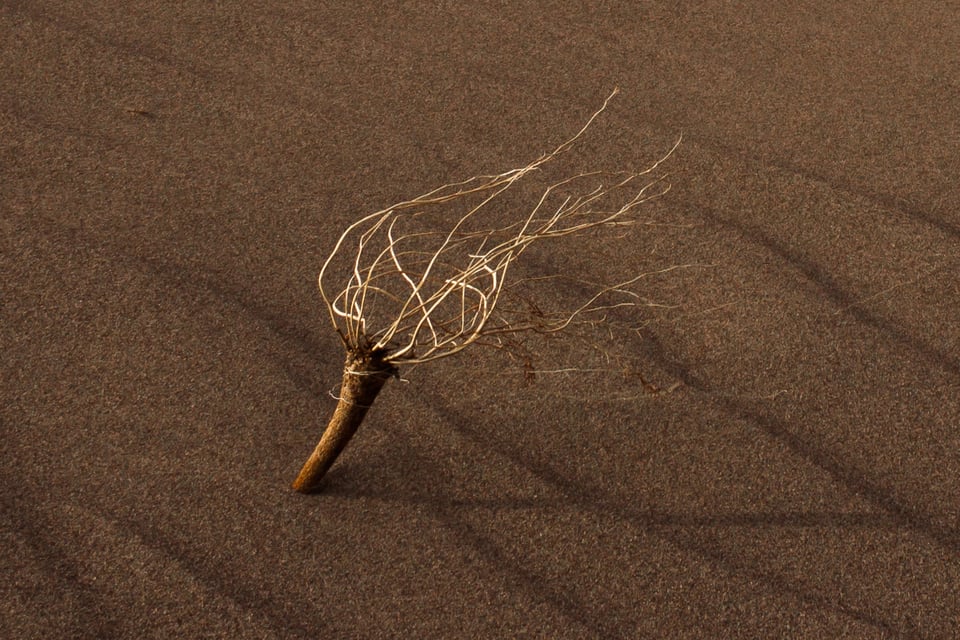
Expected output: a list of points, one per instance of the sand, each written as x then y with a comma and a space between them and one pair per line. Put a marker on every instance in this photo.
173, 174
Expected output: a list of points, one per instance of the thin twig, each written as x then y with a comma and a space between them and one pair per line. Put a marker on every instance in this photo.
414, 303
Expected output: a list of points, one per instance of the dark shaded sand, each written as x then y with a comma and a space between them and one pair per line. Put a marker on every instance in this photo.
170, 179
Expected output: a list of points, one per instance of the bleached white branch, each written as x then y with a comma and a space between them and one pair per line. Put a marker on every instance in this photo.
415, 295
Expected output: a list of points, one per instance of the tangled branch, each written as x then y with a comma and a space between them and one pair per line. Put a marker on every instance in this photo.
416, 294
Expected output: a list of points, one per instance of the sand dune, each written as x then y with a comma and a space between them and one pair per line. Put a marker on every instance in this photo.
172, 176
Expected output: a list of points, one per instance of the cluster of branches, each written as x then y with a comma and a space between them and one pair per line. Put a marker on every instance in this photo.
416, 294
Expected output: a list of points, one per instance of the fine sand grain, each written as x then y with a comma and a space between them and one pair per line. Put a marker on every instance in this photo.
173, 174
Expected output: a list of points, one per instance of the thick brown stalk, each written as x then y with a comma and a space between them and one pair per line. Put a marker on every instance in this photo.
363, 377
